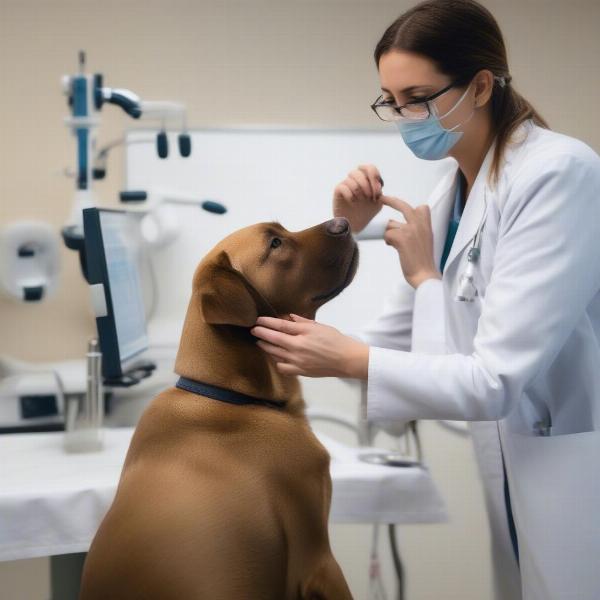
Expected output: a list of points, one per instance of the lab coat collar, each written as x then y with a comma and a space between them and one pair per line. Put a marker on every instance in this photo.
473, 211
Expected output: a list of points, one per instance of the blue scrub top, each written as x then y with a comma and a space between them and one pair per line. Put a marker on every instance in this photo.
454, 219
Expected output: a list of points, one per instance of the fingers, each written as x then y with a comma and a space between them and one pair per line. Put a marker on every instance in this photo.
392, 224
404, 207
288, 369
355, 189
392, 237
395, 233
275, 351
374, 178
277, 338
280, 332
424, 210
301, 319
282, 325
363, 181
343, 190
414, 243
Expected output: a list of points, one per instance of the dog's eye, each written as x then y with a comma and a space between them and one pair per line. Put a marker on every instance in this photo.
275, 242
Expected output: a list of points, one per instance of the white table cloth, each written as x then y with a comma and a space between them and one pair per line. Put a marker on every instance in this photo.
52, 502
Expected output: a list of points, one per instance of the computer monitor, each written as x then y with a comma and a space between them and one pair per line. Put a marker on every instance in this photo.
112, 250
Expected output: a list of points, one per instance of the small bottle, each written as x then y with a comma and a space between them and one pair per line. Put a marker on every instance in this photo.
84, 415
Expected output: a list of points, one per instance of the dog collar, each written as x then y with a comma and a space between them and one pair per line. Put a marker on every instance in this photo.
223, 394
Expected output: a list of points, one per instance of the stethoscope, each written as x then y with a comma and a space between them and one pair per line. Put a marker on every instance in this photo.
467, 290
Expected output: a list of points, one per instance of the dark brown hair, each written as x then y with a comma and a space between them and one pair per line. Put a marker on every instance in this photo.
462, 37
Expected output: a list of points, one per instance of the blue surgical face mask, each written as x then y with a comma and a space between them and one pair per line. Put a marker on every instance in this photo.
427, 138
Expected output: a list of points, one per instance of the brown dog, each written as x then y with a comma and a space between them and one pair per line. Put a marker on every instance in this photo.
219, 501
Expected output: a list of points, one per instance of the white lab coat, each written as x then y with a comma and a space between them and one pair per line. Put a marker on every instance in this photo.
525, 352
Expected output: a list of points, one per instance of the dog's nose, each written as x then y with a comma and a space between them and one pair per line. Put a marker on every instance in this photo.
338, 226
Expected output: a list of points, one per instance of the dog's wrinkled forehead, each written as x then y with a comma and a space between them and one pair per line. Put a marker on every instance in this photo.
250, 244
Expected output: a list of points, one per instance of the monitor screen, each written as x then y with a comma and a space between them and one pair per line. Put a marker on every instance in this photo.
112, 243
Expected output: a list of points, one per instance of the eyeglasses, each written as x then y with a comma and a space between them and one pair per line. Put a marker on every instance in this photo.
386, 110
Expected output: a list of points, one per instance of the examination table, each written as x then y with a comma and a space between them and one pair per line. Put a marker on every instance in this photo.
51, 502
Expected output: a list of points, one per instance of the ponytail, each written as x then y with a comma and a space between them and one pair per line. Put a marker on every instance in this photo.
509, 110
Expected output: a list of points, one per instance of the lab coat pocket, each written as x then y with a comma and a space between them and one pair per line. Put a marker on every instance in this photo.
555, 490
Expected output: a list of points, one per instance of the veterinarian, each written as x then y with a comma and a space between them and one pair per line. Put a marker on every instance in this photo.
498, 319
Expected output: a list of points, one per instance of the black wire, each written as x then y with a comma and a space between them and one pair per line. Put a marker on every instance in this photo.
414, 426
397, 560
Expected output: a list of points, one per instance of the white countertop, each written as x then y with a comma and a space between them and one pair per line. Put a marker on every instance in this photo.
52, 502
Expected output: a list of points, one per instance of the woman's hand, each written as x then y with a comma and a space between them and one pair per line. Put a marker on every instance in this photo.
305, 347
413, 240
358, 197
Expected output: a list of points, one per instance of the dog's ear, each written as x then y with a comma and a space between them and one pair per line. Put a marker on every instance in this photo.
227, 297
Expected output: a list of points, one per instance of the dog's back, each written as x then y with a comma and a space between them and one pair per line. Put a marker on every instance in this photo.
215, 501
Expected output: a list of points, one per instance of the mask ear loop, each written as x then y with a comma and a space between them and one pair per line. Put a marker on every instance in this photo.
437, 116
502, 82
464, 122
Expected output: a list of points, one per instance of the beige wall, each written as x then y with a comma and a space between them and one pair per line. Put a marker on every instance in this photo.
297, 62
302, 62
